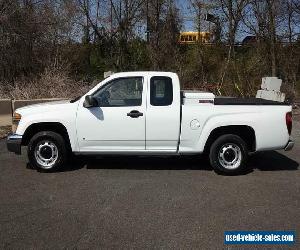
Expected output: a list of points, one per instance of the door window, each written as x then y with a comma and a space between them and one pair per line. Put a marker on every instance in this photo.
161, 91
121, 92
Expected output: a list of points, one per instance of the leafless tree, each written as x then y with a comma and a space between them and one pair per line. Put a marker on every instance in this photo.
163, 27
232, 12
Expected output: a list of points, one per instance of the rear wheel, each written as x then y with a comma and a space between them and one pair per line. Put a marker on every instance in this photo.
228, 154
47, 151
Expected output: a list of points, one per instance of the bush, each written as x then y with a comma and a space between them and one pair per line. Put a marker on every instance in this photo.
52, 83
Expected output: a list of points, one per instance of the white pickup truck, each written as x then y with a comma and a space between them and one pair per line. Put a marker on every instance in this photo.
145, 113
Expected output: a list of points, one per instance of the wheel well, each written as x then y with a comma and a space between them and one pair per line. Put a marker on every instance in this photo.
45, 126
247, 133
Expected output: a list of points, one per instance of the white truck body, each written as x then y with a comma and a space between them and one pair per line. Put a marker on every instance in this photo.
183, 127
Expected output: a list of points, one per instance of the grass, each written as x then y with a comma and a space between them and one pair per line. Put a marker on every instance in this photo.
4, 130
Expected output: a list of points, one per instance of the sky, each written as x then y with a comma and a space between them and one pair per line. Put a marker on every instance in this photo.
188, 15
186, 12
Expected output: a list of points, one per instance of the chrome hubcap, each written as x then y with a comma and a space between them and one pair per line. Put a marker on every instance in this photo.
230, 156
46, 154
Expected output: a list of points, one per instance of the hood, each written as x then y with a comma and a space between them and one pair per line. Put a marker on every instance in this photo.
41, 107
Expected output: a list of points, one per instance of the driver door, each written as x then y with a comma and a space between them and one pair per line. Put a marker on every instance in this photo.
118, 122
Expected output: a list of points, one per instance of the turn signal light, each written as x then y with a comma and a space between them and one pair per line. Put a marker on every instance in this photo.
16, 117
15, 121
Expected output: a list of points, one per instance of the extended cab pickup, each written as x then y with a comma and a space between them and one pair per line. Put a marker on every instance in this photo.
145, 113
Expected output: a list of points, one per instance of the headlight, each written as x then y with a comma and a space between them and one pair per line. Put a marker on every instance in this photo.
15, 121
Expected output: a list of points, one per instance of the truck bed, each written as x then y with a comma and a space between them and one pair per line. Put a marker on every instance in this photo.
246, 101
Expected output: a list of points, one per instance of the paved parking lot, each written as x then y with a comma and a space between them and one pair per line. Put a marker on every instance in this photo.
129, 202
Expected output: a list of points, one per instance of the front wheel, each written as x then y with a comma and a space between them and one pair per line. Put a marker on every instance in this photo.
228, 154
47, 151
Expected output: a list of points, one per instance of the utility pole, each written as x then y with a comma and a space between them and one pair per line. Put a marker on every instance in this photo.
147, 22
97, 17
199, 6
272, 31
217, 30
111, 17
120, 14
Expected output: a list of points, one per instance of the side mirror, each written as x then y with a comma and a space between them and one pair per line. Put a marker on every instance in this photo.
90, 101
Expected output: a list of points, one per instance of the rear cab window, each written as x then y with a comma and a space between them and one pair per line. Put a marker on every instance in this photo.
161, 91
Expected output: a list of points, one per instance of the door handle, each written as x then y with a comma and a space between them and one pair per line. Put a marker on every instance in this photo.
134, 114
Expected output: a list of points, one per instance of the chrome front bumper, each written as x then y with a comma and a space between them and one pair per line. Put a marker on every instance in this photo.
13, 143
289, 145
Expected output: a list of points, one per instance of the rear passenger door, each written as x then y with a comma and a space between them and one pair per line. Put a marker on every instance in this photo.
163, 114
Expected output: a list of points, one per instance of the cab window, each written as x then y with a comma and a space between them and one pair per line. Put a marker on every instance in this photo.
161, 91
121, 92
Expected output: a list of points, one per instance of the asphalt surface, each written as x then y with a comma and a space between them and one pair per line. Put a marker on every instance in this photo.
138, 203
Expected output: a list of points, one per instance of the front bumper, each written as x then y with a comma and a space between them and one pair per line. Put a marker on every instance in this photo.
13, 143
289, 145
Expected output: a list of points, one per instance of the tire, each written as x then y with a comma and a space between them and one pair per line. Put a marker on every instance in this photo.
47, 151
228, 155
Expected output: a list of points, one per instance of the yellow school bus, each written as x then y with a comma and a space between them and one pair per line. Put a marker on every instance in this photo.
190, 37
